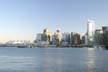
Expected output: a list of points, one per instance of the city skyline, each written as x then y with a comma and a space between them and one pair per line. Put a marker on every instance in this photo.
23, 19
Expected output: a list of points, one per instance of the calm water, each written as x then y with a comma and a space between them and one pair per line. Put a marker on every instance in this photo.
53, 60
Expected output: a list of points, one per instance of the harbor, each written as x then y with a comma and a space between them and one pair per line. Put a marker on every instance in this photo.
53, 60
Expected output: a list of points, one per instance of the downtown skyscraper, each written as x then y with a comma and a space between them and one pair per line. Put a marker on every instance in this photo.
90, 31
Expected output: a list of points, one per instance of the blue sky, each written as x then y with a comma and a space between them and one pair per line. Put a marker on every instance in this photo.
22, 19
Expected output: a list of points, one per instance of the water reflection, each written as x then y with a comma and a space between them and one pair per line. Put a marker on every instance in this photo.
91, 59
52, 62
59, 60
46, 64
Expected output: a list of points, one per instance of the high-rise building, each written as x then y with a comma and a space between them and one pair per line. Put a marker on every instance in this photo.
86, 39
47, 35
98, 36
76, 39
105, 36
54, 41
66, 39
72, 38
58, 37
90, 31
39, 37
83, 40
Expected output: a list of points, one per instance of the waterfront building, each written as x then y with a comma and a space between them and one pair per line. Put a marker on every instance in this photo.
58, 37
72, 38
76, 39
47, 35
83, 40
66, 39
98, 37
86, 39
105, 36
90, 31
39, 37
40, 40
54, 41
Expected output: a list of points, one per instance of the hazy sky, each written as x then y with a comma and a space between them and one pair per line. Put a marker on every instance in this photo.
22, 19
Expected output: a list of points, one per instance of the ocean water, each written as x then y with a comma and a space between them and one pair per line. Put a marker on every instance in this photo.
53, 60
